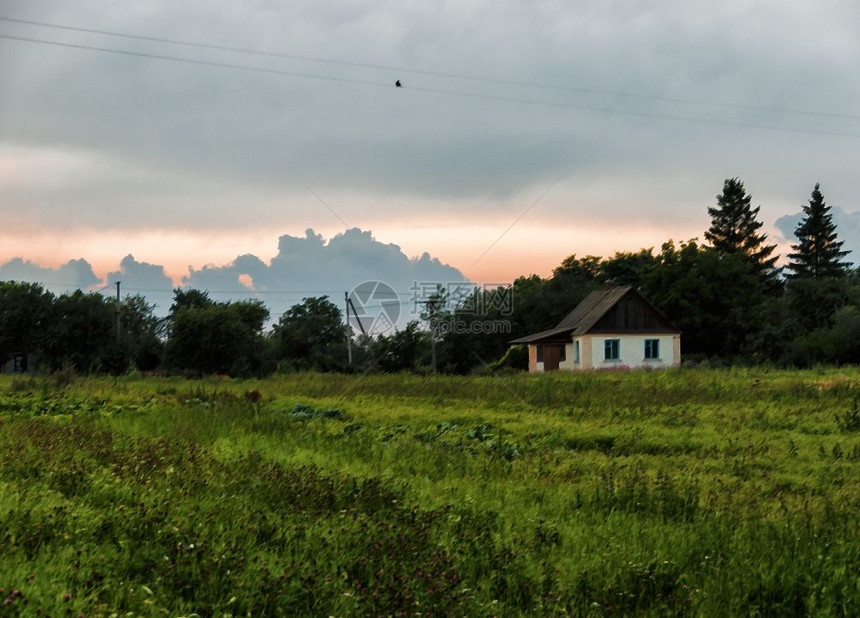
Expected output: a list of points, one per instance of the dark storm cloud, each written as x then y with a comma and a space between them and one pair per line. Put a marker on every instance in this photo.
165, 143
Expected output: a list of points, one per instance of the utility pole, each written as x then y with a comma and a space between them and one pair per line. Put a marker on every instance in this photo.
350, 304
432, 306
431, 317
348, 328
118, 331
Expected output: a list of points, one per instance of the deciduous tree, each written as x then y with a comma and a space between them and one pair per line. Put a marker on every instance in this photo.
407, 349
24, 311
311, 335
210, 337
82, 333
713, 298
141, 331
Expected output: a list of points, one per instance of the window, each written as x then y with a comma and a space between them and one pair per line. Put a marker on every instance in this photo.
652, 349
562, 353
539, 353
610, 349
576, 352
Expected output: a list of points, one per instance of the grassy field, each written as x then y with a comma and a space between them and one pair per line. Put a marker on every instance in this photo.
682, 492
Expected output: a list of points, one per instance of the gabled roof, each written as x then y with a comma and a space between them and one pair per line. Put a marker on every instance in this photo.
587, 313
592, 308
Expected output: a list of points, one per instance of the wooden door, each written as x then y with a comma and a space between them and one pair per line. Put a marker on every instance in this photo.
551, 357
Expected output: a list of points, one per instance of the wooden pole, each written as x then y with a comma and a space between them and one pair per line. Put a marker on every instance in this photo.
118, 331
348, 328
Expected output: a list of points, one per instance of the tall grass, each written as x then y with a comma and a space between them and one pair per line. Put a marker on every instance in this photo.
687, 492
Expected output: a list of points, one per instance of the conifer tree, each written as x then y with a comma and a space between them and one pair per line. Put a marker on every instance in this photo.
818, 254
734, 229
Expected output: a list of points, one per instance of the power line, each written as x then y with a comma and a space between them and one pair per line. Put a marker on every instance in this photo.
474, 95
48, 284
236, 291
271, 150
391, 293
547, 190
656, 115
210, 63
459, 76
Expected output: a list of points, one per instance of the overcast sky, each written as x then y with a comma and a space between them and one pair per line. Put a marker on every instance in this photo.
524, 132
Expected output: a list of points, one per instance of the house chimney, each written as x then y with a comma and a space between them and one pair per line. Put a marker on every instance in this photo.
608, 285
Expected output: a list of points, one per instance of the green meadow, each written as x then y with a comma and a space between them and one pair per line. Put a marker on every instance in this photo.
701, 492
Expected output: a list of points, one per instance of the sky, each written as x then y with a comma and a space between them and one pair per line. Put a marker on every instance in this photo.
262, 146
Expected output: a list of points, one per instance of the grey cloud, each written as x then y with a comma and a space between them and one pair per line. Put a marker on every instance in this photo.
304, 266
310, 266
172, 150
847, 229
140, 276
74, 274
144, 279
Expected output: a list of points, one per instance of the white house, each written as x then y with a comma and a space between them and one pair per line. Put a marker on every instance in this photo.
615, 327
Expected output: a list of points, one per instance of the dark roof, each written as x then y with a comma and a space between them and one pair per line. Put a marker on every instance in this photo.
554, 334
595, 305
586, 314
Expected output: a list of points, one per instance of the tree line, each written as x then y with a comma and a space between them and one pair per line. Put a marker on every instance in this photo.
726, 294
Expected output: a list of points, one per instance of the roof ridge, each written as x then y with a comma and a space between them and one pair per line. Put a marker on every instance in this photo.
608, 299
590, 310
586, 306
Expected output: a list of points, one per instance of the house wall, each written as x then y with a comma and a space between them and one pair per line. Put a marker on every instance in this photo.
29, 364
631, 314
534, 366
569, 363
632, 351
587, 356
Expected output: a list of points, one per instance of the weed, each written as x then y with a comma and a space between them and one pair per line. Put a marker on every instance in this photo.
302, 412
849, 422
65, 376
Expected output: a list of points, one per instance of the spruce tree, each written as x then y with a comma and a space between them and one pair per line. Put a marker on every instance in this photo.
734, 229
818, 254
